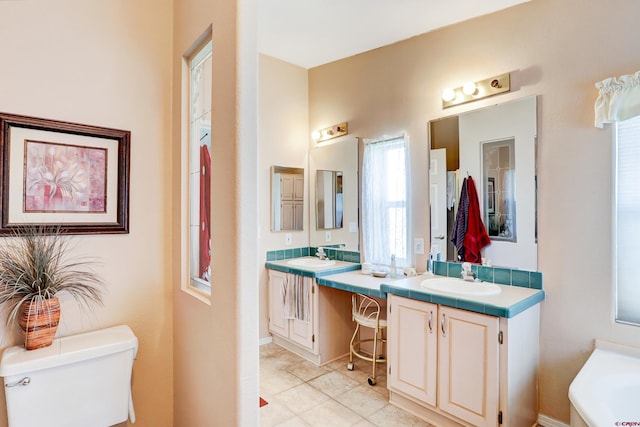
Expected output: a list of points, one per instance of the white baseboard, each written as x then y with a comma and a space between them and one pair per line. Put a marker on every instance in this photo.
265, 340
545, 421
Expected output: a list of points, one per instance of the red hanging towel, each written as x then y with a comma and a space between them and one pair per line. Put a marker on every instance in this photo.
476, 236
205, 213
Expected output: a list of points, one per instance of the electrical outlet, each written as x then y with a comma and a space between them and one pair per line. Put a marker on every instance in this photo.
418, 246
287, 239
327, 236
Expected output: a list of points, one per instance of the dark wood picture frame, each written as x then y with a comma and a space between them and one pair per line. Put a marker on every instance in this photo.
15, 133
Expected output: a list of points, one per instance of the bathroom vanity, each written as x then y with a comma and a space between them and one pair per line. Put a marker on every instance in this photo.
325, 337
457, 367
454, 358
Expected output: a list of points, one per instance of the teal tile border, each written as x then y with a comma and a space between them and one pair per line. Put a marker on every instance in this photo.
333, 252
310, 273
512, 277
465, 304
500, 275
350, 288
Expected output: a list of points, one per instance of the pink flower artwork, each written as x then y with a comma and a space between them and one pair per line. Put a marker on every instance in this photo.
64, 178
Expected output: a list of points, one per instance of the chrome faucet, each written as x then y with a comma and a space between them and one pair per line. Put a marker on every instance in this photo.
466, 273
320, 254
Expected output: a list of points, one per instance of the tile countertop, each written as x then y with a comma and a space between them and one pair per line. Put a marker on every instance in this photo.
355, 281
511, 301
307, 271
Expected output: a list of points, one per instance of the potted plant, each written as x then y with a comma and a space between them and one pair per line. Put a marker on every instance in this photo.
36, 266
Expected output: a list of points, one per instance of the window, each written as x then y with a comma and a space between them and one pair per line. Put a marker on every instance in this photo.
385, 202
200, 168
627, 220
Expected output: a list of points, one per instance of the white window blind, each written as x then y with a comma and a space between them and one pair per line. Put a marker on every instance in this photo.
385, 202
627, 220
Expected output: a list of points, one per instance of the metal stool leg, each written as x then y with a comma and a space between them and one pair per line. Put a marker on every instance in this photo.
353, 338
372, 378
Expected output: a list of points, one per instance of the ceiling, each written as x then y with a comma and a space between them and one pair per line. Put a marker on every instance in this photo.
309, 33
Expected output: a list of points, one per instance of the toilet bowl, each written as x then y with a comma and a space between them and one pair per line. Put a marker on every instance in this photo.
79, 381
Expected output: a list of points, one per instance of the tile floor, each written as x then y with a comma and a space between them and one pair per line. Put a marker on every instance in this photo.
300, 393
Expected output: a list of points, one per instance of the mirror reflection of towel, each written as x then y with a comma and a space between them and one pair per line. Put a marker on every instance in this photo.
297, 298
451, 190
460, 225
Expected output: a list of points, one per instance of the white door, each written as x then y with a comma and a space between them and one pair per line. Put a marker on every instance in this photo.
438, 200
468, 366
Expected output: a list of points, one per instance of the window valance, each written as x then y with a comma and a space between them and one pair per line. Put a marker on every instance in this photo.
619, 99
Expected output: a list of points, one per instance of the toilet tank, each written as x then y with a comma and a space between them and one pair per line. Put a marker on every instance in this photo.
81, 380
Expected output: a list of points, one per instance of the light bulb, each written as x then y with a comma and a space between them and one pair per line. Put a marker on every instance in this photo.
469, 88
315, 135
448, 94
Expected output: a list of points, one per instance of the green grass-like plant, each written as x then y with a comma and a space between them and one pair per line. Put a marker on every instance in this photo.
35, 265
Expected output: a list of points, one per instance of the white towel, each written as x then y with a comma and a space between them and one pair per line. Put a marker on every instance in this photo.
451, 190
297, 297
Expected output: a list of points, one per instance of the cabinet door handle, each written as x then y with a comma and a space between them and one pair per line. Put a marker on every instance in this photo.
24, 381
444, 334
430, 322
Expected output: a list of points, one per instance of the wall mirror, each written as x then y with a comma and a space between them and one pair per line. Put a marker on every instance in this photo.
329, 199
496, 146
333, 198
287, 198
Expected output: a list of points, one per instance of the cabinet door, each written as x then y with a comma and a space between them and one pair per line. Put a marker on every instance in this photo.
298, 215
298, 187
287, 218
301, 332
412, 346
468, 366
287, 186
277, 323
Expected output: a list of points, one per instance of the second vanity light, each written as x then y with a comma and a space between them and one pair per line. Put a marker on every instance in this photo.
330, 132
473, 91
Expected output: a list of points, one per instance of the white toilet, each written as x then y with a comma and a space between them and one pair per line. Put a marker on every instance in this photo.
80, 381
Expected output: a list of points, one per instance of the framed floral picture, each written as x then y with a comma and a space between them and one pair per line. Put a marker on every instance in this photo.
65, 174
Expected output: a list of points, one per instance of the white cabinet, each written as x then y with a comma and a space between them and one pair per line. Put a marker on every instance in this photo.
291, 214
292, 186
295, 330
291, 201
327, 334
455, 367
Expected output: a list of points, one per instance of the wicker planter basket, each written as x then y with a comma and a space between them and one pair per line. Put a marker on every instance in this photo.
39, 322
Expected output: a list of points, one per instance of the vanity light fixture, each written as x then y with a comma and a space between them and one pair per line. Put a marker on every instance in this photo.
469, 88
330, 132
473, 91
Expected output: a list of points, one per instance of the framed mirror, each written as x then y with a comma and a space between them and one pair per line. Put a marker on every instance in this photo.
496, 146
287, 198
329, 200
333, 198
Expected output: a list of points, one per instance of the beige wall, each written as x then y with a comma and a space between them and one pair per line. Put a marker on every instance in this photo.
284, 137
107, 63
556, 50
215, 343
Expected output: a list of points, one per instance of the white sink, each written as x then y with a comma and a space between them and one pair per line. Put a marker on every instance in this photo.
311, 262
461, 287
